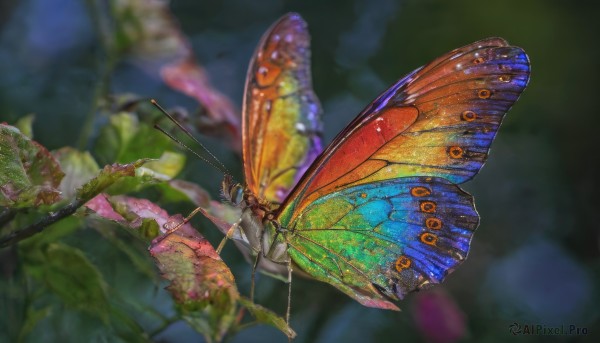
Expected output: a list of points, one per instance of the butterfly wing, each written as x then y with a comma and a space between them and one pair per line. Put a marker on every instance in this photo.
378, 214
281, 114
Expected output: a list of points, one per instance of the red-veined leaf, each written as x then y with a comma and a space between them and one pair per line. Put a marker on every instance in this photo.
29, 174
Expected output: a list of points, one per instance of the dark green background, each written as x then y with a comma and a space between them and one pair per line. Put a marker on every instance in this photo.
535, 257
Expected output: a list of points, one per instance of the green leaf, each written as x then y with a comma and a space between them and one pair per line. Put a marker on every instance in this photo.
143, 178
201, 282
147, 142
137, 255
154, 172
125, 139
29, 174
167, 166
107, 177
24, 124
72, 277
126, 327
79, 167
148, 30
115, 137
266, 316
33, 317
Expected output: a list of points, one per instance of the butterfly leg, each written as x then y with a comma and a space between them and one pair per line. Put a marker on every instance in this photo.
228, 236
253, 279
183, 222
289, 303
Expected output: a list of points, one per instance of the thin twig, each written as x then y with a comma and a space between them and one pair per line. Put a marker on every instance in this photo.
51, 218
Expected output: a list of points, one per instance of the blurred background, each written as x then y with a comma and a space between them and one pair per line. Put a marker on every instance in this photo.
534, 259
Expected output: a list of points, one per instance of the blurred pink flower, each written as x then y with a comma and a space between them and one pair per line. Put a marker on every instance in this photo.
438, 318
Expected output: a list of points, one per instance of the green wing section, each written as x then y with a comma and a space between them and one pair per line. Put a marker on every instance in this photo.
376, 242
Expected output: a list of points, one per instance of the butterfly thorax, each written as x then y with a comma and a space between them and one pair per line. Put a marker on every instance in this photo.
257, 227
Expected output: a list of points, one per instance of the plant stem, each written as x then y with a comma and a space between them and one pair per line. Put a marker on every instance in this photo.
6, 216
99, 18
53, 217
166, 323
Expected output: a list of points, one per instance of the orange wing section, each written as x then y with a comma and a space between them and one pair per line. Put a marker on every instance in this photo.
438, 121
281, 124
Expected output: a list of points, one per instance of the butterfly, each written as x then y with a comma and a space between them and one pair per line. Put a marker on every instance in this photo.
378, 213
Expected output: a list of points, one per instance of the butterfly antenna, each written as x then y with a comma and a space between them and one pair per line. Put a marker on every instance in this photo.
217, 167
217, 164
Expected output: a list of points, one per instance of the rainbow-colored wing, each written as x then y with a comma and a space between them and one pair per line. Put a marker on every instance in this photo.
382, 240
378, 214
281, 123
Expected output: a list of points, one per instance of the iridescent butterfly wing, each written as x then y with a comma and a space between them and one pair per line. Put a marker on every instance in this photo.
281, 124
379, 213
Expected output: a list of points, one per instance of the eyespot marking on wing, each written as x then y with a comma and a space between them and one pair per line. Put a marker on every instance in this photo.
433, 223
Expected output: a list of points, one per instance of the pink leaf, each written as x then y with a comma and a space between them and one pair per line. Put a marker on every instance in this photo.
200, 281
188, 77
103, 208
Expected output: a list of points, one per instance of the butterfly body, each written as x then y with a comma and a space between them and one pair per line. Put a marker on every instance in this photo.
378, 213
256, 228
